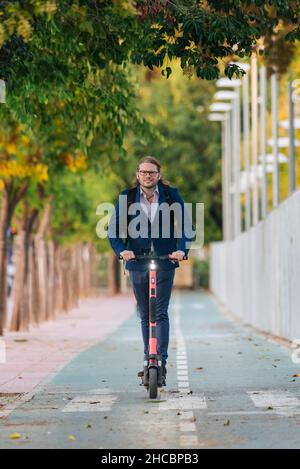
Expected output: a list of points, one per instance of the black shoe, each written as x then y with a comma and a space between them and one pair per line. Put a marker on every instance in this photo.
164, 375
144, 374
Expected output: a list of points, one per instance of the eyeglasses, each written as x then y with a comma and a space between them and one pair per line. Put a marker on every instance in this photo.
151, 173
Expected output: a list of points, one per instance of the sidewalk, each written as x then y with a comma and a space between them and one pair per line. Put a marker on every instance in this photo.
33, 356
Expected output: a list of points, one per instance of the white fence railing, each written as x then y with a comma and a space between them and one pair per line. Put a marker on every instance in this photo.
257, 275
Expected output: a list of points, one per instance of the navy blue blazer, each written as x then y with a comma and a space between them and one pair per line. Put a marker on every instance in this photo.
161, 245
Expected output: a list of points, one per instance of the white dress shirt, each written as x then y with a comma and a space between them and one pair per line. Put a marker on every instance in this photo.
150, 208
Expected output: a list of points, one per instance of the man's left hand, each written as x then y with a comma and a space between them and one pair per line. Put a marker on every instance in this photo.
177, 255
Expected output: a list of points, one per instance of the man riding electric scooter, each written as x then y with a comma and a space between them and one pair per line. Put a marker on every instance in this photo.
157, 233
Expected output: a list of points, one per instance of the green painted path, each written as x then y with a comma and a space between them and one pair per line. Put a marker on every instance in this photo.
226, 388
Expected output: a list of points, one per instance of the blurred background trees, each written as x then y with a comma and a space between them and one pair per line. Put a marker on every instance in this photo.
86, 98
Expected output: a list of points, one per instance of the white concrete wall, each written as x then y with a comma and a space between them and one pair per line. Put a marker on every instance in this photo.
257, 276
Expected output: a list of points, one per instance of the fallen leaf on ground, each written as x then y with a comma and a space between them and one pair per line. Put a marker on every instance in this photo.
227, 423
71, 438
14, 436
297, 375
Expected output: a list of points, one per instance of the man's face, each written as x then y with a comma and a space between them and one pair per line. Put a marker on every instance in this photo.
148, 175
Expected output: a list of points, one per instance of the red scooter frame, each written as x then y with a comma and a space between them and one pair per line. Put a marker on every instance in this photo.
152, 378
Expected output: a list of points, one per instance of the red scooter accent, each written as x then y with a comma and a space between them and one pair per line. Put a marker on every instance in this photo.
152, 378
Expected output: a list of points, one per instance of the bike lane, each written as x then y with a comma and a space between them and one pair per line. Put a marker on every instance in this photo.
226, 387
250, 397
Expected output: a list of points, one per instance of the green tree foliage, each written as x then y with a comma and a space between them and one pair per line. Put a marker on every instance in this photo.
204, 33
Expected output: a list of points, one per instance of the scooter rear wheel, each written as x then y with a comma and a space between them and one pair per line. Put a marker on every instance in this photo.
153, 383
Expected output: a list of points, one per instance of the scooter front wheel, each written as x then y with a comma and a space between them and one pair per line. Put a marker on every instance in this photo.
153, 383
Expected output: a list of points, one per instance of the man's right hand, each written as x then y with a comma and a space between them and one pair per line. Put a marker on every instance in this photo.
127, 255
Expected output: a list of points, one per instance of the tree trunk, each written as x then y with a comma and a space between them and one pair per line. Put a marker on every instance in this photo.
11, 197
50, 280
40, 249
3, 260
113, 275
22, 299
35, 304
58, 280
17, 323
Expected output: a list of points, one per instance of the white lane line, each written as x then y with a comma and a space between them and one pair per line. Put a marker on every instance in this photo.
185, 391
188, 436
282, 402
183, 384
99, 401
187, 427
256, 412
187, 415
182, 375
184, 403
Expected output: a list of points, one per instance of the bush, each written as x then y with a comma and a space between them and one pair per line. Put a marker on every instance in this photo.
201, 273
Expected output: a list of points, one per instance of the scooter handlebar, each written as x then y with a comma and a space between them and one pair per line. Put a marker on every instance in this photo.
139, 257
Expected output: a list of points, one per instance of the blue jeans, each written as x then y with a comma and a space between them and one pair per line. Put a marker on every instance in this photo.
164, 284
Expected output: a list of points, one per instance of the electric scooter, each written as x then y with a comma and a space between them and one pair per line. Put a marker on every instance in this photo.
152, 378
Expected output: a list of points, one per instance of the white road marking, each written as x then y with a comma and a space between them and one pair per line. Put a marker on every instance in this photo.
97, 400
185, 391
182, 375
188, 437
282, 402
187, 426
184, 403
187, 415
183, 384
254, 412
